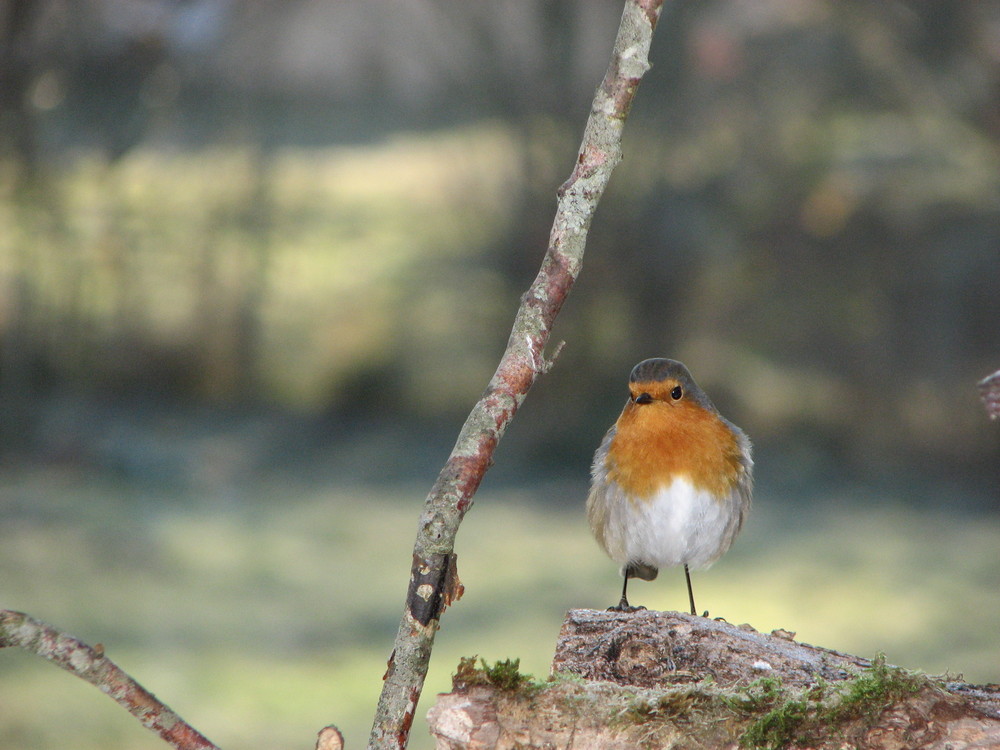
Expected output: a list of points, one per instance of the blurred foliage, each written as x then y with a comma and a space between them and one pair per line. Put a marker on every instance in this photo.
217, 275
807, 214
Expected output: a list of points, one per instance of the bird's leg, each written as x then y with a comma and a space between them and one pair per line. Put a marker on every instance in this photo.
687, 576
623, 605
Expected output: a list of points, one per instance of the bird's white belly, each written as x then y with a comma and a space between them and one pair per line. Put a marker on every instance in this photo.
679, 524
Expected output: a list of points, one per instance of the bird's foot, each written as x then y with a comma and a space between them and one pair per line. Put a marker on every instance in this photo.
624, 606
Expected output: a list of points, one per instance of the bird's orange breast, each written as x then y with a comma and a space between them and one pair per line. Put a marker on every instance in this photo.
655, 443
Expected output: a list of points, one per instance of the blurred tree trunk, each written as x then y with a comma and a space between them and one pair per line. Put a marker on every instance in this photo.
17, 122
17, 138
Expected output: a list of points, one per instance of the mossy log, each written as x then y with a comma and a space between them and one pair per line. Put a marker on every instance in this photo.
672, 680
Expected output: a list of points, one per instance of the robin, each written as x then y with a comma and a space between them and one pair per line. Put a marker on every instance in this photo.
671, 481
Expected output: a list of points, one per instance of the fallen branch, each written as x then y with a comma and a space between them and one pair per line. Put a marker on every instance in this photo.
433, 580
90, 663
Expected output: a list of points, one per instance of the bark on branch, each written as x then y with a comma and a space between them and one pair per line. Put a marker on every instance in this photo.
89, 663
434, 581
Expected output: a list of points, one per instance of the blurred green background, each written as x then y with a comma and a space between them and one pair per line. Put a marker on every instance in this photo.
258, 260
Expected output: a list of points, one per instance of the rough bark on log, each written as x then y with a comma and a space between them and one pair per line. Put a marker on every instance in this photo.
672, 680
654, 649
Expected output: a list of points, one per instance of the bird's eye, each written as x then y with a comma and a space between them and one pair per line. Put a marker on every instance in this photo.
643, 398
676, 393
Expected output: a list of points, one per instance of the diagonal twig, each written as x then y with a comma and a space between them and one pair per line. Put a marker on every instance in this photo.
90, 664
433, 579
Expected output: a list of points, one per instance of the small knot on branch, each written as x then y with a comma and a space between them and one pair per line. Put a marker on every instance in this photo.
330, 738
989, 391
539, 362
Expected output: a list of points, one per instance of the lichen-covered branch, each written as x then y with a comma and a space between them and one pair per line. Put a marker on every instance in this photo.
90, 664
434, 581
